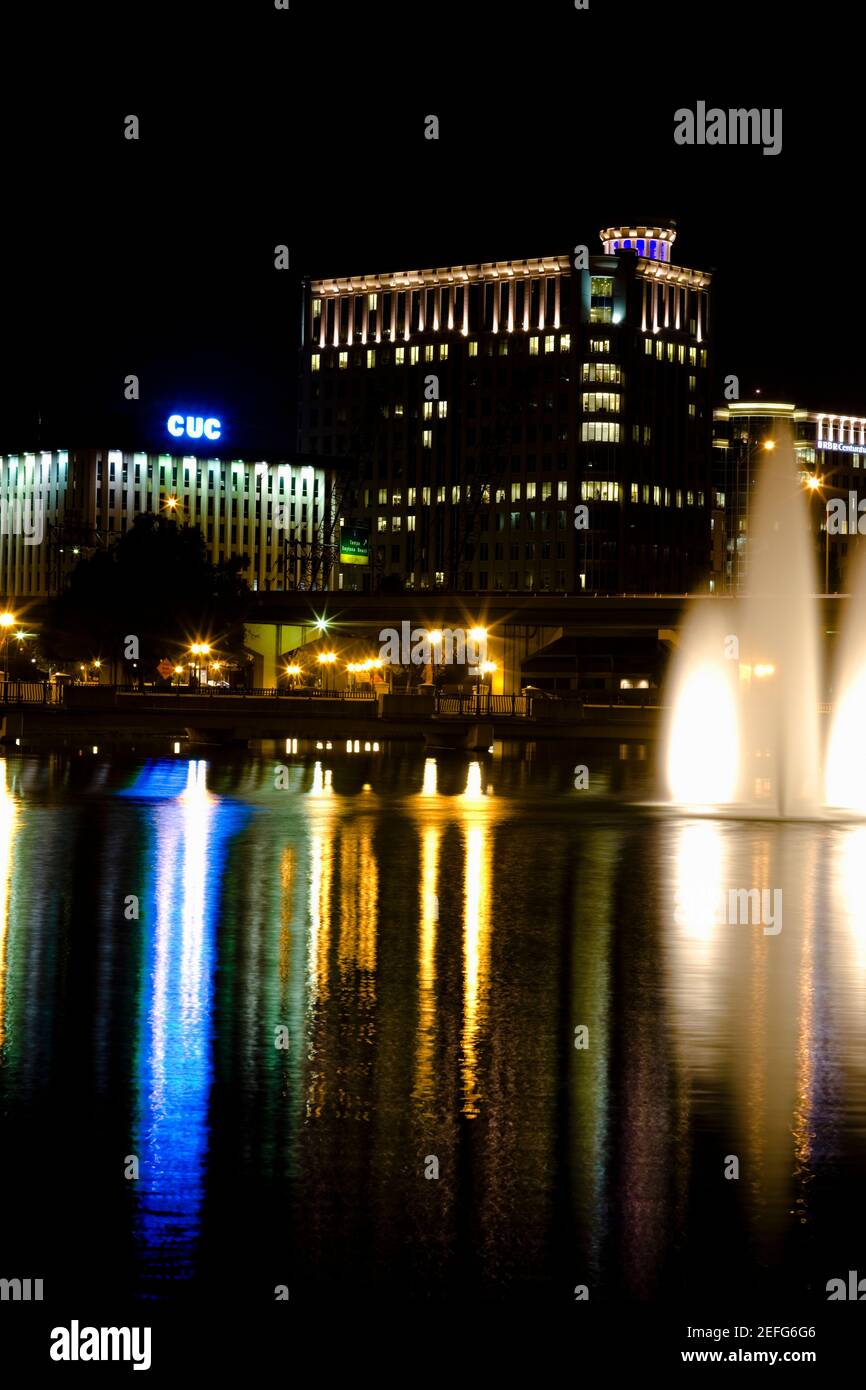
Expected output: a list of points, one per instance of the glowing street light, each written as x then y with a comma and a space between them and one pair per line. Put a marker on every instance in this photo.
7, 620
769, 445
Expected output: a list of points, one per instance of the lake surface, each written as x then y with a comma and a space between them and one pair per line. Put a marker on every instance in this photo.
353, 968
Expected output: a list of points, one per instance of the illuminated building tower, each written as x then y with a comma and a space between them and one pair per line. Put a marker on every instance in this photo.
480, 405
831, 454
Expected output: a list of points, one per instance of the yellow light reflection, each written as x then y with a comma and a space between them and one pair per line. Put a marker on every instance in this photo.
703, 748
8, 830
431, 838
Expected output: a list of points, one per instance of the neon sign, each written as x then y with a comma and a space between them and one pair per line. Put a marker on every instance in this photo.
194, 427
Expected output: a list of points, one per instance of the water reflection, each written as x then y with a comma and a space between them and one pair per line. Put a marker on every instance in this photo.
430, 936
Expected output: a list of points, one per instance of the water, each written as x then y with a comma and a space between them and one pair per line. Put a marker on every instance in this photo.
744, 727
429, 933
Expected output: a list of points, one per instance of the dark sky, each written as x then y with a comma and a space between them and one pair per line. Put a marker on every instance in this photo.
156, 257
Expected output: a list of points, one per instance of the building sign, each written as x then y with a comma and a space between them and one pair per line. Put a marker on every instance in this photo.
194, 427
354, 545
841, 448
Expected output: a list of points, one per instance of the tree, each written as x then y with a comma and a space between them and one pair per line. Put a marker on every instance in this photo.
155, 584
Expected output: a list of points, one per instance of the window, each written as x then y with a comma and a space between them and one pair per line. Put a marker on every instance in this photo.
372, 301
395, 523
344, 359
399, 356
599, 344
599, 431
473, 348
670, 352
425, 497
443, 352
371, 357
602, 371
599, 490
413, 355
533, 347
428, 353
565, 342
634, 492
681, 354
455, 493
530, 492
316, 362
427, 439
693, 383
549, 343
703, 357
657, 496
515, 492
428, 410
600, 401
381, 523
440, 494
561, 491
660, 349
443, 409
693, 357
691, 410
648, 347
317, 306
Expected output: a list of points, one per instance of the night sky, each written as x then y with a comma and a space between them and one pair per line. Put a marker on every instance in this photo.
156, 257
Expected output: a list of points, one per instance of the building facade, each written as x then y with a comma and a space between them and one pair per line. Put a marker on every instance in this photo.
831, 455
57, 506
476, 409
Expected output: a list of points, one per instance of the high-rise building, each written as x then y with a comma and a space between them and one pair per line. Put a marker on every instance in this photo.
831, 456
538, 424
56, 506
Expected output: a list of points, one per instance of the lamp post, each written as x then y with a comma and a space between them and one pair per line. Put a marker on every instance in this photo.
816, 484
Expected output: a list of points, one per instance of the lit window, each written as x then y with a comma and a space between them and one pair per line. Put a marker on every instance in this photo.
372, 301
660, 349
395, 523
344, 359
600, 432
503, 347
440, 494
316, 362
410, 523
473, 348
425, 496
601, 286
533, 347
413, 355
317, 306
679, 497
565, 342
648, 347
396, 499
562, 491
549, 343
410, 496
693, 357
634, 492
690, 498
657, 496
692, 410
381, 523
427, 439
428, 410
681, 354
530, 492
428, 353
398, 408
601, 313
670, 352
455, 493
703, 357
399, 356
443, 352
515, 492
599, 344
443, 409
383, 496
693, 383
600, 400
371, 357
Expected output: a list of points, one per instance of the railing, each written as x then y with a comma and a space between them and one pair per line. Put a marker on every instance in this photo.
482, 703
31, 693
263, 692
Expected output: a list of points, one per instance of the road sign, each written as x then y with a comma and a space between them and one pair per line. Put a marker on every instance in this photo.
165, 669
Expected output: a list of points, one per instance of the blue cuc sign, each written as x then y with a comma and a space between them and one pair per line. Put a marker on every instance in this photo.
194, 427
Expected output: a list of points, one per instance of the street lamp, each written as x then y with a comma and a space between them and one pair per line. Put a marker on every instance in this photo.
327, 660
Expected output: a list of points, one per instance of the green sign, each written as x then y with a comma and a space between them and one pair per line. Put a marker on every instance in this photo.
354, 545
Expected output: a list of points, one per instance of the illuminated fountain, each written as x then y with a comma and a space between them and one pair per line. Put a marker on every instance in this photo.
743, 731
845, 772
